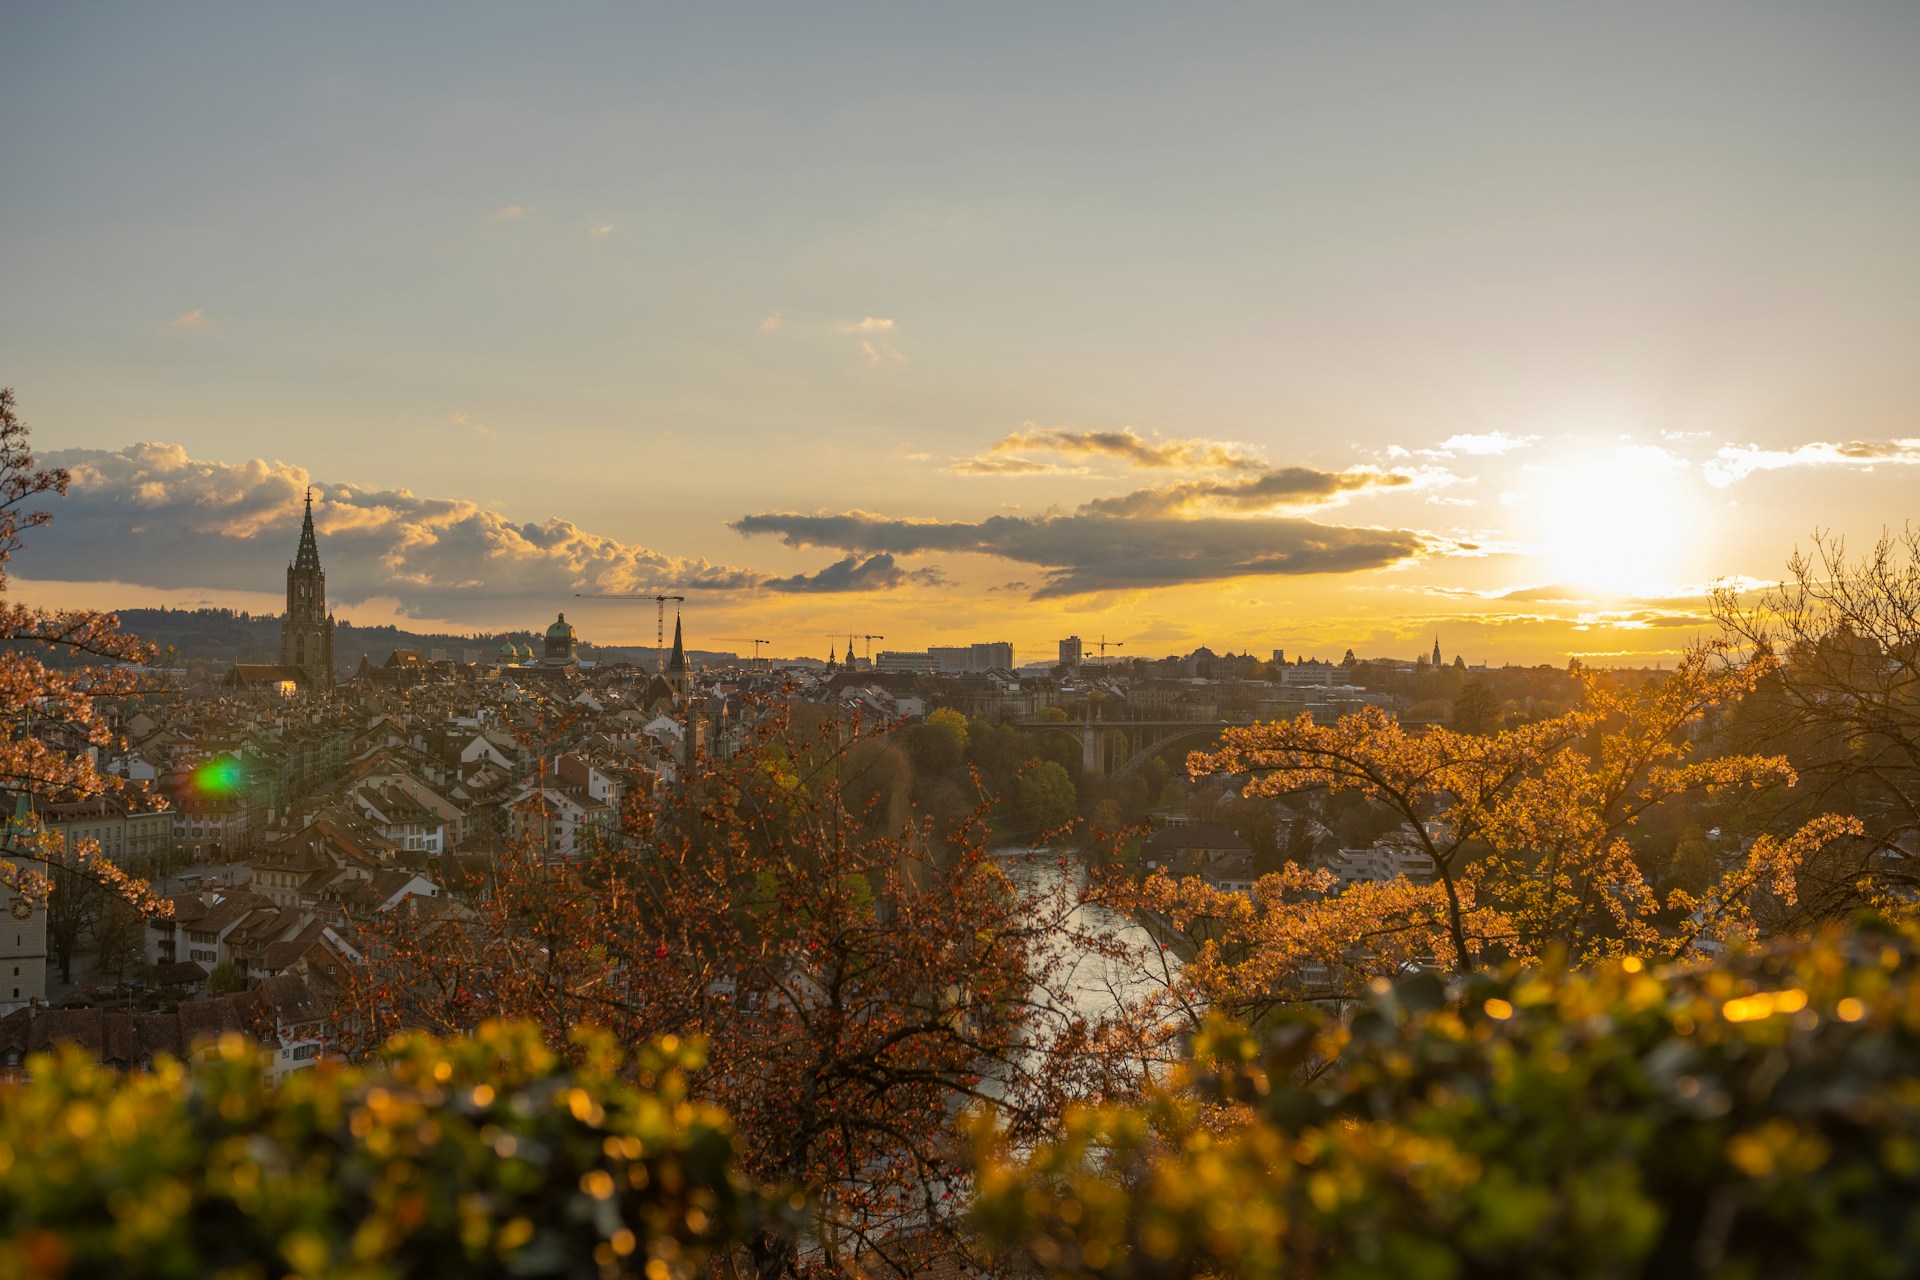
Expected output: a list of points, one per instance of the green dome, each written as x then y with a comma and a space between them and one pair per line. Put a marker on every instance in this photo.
561, 629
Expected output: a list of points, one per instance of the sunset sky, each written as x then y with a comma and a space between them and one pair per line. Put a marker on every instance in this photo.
1305, 326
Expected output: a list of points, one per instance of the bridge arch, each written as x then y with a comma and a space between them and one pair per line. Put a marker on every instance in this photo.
1138, 760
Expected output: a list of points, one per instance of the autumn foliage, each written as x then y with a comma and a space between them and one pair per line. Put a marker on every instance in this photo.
1527, 831
856, 991
49, 711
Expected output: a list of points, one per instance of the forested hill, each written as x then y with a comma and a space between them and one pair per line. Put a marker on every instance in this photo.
220, 637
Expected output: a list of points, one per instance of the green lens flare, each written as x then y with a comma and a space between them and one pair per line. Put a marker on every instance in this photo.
217, 777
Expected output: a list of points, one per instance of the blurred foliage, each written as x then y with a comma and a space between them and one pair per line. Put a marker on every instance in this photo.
1759, 1115
483, 1156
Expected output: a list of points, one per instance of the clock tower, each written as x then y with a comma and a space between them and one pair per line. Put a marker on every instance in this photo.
23, 930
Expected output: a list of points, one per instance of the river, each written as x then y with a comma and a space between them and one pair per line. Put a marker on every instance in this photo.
1096, 986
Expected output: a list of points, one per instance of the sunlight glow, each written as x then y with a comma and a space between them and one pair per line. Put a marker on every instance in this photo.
1618, 519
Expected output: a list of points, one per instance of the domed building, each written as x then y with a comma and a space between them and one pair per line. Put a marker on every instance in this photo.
559, 645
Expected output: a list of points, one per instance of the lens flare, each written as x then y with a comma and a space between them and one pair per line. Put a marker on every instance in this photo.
218, 777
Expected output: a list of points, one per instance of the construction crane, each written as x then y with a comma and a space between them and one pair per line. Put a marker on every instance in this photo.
869, 639
660, 625
1103, 644
747, 640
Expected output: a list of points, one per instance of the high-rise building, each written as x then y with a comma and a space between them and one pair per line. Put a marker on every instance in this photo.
306, 633
1070, 651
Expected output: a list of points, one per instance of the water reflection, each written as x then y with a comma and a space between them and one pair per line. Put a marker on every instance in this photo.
1097, 986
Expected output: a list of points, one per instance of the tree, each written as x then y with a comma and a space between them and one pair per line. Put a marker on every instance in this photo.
74, 903
50, 724
225, 980
1047, 795
1525, 831
119, 941
856, 990
1842, 700
1478, 709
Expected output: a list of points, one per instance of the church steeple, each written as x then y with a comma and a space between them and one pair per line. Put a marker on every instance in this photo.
308, 556
306, 633
676, 674
1436, 650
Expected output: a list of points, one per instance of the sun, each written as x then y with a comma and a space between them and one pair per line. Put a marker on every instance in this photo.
1615, 519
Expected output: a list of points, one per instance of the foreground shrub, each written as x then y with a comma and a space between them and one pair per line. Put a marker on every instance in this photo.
1759, 1116
474, 1157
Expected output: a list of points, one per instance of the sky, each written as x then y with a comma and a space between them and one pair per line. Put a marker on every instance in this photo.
1277, 326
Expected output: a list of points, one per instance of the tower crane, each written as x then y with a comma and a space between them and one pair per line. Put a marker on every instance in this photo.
869, 638
1103, 644
747, 640
660, 625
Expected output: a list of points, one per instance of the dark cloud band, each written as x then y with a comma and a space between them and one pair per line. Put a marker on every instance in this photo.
1092, 551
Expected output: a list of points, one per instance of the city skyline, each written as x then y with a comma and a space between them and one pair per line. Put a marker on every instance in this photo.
1313, 330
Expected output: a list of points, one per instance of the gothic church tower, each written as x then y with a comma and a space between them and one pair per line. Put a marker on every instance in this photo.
306, 634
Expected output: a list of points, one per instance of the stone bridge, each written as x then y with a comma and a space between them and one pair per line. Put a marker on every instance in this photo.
1142, 740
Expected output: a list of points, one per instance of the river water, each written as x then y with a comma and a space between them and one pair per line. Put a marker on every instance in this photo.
1097, 986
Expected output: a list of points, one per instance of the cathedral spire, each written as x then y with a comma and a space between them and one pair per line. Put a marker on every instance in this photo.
1436, 650
308, 556
676, 673
306, 633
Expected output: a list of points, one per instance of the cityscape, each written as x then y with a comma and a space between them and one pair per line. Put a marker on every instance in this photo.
1072, 642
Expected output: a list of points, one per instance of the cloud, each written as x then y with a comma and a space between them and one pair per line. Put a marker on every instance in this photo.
875, 573
152, 515
1284, 487
994, 464
1092, 551
1488, 444
770, 323
1640, 620
194, 321
512, 213
875, 349
1124, 445
1734, 463
601, 232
